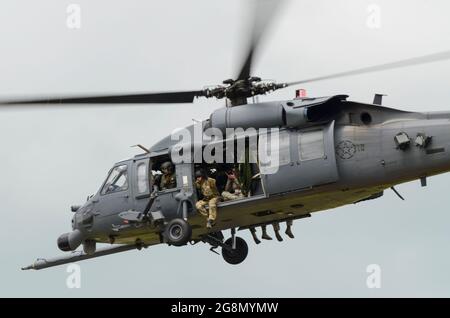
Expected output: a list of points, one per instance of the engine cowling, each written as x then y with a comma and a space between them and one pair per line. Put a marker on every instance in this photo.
299, 113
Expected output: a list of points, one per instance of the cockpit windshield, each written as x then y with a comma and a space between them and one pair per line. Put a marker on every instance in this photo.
116, 181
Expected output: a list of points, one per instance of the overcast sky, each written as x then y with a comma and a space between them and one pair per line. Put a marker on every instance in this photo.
54, 158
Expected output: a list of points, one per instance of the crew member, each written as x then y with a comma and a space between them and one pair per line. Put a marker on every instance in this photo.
207, 188
233, 189
168, 178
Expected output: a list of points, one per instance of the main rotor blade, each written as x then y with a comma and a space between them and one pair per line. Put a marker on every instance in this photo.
263, 14
442, 56
150, 98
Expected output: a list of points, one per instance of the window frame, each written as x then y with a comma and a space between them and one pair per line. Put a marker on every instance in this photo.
146, 178
127, 175
300, 147
284, 148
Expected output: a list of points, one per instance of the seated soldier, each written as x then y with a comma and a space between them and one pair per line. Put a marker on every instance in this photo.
207, 188
168, 179
233, 189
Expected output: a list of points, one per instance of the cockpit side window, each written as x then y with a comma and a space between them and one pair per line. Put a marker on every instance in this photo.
116, 181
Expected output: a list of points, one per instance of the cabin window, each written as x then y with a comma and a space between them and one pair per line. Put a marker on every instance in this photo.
311, 145
274, 155
117, 180
142, 178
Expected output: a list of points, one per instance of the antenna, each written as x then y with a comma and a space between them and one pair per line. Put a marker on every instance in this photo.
142, 147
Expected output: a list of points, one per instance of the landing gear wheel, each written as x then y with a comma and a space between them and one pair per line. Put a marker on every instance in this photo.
238, 255
178, 232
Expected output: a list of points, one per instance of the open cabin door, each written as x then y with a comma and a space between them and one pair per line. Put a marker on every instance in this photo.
306, 159
237, 155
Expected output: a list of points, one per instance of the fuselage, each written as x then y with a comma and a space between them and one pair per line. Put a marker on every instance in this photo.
354, 155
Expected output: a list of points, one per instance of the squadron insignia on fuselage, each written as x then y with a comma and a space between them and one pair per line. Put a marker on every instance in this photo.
346, 149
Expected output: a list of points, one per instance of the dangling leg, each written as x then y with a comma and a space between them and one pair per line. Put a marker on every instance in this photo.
276, 228
264, 235
255, 238
289, 229
200, 205
212, 212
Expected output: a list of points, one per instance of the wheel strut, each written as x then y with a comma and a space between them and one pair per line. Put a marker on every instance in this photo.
233, 238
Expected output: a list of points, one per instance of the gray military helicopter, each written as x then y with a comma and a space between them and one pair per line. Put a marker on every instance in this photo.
332, 152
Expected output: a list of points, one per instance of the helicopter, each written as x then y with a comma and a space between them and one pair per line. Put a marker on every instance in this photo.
330, 152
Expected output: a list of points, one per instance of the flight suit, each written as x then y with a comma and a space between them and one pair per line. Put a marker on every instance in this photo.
208, 189
232, 190
168, 181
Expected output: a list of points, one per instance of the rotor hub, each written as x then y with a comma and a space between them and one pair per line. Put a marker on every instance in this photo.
240, 90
